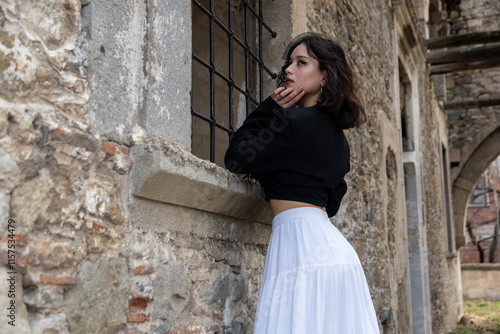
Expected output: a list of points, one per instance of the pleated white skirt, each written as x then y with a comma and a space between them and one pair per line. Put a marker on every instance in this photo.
313, 280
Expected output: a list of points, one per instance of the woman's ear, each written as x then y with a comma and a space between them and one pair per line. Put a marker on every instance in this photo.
323, 80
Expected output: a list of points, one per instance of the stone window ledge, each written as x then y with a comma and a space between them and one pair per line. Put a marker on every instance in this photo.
173, 175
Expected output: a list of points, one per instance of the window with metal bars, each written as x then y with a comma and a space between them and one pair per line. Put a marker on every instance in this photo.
227, 72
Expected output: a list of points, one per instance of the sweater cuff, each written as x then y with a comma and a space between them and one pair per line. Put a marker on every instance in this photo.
270, 103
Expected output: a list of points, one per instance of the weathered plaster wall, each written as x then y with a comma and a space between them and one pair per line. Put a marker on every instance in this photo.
481, 281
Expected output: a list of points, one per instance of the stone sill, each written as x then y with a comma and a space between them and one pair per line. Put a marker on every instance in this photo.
173, 175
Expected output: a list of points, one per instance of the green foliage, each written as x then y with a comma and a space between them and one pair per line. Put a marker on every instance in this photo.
484, 315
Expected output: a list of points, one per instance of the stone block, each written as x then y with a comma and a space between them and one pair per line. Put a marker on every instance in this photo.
21, 314
225, 288
4, 124
242, 325
98, 302
166, 109
173, 284
51, 254
4, 211
44, 297
30, 201
115, 41
169, 175
63, 27
53, 323
7, 166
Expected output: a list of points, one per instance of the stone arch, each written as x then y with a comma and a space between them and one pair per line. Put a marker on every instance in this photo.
464, 184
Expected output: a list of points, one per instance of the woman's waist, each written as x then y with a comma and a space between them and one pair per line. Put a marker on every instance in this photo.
280, 205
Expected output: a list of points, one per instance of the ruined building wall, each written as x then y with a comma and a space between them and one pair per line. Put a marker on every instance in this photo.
444, 264
113, 229
472, 85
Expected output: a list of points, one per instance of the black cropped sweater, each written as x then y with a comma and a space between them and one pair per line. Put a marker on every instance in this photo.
297, 154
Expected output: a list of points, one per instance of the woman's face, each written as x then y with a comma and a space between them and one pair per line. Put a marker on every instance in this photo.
304, 72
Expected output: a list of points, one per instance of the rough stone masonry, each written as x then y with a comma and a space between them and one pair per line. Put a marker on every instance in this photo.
78, 79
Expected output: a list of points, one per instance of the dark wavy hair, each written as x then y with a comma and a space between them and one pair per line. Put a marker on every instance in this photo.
339, 92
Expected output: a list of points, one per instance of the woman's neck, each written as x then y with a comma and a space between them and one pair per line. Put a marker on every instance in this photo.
309, 101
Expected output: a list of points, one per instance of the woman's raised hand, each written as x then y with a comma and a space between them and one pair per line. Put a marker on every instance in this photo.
287, 97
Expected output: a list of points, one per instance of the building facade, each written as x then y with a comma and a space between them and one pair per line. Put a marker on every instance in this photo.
114, 117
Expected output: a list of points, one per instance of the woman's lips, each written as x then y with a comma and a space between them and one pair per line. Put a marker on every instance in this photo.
288, 81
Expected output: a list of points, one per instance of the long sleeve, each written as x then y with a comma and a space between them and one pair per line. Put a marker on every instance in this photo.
263, 143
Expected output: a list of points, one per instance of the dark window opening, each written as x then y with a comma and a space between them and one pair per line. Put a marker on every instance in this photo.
227, 71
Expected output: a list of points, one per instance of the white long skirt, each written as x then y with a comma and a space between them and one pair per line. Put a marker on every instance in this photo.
313, 280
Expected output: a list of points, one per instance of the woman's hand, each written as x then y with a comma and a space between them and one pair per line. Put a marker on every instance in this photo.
287, 97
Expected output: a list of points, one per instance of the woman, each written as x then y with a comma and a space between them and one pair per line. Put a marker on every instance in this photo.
294, 144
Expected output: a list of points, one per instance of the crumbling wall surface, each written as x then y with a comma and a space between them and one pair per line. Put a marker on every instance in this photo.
372, 214
470, 124
443, 264
64, 187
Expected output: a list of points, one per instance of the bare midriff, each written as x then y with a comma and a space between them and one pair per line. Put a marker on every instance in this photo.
280, 205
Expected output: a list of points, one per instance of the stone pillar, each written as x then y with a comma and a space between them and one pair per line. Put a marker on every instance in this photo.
419, 281
136, 49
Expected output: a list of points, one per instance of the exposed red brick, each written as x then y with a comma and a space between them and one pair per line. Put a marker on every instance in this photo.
62, 131
100, 228
180, 331
110, 148
138, 318
63, 280
138, 303
95, 250
217, 315
20, 239
21, 260
141, 270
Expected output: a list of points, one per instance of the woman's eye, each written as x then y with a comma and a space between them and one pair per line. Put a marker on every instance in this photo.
302, 62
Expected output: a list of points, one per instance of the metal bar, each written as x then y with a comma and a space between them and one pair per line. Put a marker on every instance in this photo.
230, 47
212, 88
223, 77
211, 121
249, 55
260, 18
247, 48
259, 61
261, 72
206, 11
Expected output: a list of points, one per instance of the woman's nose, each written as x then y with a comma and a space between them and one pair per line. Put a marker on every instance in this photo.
288, 70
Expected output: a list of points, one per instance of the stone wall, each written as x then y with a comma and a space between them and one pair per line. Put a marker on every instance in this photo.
443, 264
481, 281
472, 108
469, 126
119, 228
